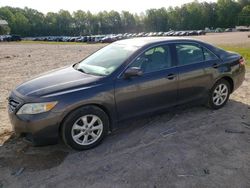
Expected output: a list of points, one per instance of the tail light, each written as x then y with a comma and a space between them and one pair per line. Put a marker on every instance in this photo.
242, 61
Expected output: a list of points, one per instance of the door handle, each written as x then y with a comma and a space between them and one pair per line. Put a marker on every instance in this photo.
215, 65
171, 76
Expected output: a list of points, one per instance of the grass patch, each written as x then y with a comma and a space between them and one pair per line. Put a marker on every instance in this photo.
244, 51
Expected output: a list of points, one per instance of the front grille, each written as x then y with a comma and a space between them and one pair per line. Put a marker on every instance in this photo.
13, 104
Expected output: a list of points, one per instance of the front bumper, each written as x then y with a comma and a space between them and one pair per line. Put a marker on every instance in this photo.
40, 129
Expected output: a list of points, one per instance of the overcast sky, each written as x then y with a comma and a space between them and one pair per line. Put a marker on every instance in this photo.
94, 5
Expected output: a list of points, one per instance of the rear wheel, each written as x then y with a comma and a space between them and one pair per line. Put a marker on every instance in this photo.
219, 94
85, 128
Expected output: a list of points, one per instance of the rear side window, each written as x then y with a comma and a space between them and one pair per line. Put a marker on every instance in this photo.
189, 54
192, 53
209, 55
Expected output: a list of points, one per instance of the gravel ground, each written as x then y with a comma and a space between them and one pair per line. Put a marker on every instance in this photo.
185, 147
240, 39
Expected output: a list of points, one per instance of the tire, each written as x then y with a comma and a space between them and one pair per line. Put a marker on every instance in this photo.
219, 94
85, 128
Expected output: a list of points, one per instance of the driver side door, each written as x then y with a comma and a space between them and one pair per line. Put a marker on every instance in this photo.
154, 90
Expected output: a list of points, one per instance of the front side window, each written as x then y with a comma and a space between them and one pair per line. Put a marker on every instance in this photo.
154, 59
106, 60
189, 54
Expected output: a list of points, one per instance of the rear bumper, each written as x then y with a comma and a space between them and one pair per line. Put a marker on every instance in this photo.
239, 77
40, 129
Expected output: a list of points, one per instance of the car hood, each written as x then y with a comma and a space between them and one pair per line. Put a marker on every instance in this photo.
56, 81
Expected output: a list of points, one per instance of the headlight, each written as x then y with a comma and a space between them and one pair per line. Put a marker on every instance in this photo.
36, 108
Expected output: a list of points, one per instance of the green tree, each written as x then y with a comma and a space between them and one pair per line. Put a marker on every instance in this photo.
64, 23
79, 22
128, 22
194, 15
4, 30
7, 15
36, 22
174, 18
21, 25
246, 10
244, 17
156, 20
51, 24
244, 3
227, 12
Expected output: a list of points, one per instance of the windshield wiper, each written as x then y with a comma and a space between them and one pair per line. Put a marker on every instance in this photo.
80, 69
96, 74
83, 71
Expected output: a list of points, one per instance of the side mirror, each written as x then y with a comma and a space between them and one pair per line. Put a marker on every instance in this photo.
133, 72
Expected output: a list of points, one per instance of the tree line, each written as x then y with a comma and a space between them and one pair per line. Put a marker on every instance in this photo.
191, 16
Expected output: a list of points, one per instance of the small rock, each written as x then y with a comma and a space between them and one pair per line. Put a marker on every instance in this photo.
234, 131
7, 57
243, 117
247, 125
107, 168
19, 172
170, 131
29, 55
206, 171
185, 175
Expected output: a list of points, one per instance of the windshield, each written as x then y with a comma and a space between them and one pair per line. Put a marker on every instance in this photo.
106, 60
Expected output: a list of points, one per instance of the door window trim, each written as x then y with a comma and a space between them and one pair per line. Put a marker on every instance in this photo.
191, 44
174, 56
217, 58
197, 44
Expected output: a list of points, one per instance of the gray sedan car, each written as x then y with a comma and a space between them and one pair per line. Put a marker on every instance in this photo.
82, 103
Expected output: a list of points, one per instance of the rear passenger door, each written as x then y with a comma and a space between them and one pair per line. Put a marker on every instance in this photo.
194, 79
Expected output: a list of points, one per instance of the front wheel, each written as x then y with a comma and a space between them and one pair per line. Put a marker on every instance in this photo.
219, 94
85, 128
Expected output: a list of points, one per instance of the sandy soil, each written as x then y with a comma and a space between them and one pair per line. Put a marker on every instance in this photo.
19, 62
234, 38
198, 153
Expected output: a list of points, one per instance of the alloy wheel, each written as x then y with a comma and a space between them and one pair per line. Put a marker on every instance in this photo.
220, 94
87, 129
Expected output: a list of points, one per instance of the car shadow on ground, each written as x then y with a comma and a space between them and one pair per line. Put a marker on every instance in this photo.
16, 154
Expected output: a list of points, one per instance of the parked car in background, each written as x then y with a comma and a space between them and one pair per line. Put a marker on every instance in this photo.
82, 103
109, 38
229, 30
218, 30
9, 38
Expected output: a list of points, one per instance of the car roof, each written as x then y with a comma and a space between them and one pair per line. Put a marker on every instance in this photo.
145, 41
142, 41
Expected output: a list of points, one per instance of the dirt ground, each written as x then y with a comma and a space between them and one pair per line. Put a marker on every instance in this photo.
239, 39
189, 146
